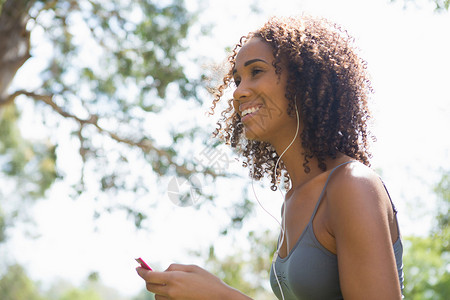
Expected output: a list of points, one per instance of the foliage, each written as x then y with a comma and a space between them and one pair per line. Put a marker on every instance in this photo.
442, 226
76, 294
2, 226
144, 295
246, 270
426, 276
112, 67
16, 285
440, 5
32, 164
427, 259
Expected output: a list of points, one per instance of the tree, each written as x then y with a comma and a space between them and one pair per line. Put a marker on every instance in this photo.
247, 269
441, 229
426, 259
91, 289
440, 5
111, 67
426, 276
16, 285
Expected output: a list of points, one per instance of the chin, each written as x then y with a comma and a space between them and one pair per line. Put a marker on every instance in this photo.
254, 135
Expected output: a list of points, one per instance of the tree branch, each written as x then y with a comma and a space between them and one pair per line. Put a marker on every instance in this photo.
144, 144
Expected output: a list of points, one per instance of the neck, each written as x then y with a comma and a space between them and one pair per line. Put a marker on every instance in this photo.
293, 159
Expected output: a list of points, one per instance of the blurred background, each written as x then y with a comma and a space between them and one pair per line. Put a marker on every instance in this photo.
106, 151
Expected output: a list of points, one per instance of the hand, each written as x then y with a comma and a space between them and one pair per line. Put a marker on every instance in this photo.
185, 282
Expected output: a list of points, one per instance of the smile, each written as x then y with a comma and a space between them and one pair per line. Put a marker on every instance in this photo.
250, 110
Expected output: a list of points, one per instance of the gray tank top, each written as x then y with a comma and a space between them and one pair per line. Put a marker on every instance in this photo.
310, 271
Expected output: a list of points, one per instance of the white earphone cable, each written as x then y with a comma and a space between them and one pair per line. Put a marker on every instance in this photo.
283, 223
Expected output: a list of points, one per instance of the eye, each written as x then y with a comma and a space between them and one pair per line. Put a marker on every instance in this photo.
237, 81
256, 71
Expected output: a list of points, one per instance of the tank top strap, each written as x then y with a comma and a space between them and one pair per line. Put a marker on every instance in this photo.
324, 188
390, 199
394, 209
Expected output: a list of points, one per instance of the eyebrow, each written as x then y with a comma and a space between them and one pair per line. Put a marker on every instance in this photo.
251, 61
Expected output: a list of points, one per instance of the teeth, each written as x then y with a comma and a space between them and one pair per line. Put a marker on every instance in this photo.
249, 111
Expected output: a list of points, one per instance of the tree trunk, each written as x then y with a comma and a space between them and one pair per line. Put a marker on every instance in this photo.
14, 41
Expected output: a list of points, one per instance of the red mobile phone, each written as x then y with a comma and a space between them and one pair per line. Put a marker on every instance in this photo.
143, 264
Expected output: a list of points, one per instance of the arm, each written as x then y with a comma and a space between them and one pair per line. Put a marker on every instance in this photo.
359, 219
187, 282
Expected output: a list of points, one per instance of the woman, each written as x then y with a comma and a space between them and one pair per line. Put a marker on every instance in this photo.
299, 110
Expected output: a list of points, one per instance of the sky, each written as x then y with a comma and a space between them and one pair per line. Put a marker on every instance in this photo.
407, 54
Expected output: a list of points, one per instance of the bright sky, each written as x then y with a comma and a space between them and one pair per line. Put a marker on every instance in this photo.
407, 52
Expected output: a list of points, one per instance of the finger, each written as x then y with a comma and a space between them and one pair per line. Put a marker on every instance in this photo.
157, 289
153, 276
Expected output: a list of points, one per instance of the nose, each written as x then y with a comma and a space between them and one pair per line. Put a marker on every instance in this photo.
241, 92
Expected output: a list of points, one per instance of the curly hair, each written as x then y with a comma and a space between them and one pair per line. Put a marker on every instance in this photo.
329, 83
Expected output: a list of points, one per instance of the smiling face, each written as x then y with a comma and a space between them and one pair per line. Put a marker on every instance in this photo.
259, 97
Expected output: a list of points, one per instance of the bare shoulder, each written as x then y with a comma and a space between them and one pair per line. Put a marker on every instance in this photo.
353, 180
362, 223
355, 193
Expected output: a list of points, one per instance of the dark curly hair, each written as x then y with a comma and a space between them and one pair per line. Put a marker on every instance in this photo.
330, 84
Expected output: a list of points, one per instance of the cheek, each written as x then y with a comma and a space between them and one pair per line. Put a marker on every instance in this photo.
236, 106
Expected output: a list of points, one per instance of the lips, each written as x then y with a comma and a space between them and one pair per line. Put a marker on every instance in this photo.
249, 111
